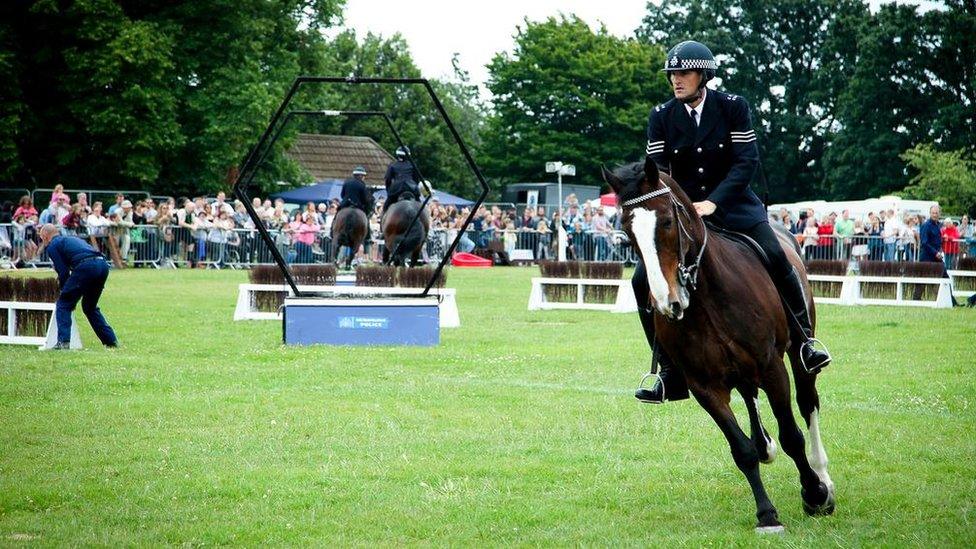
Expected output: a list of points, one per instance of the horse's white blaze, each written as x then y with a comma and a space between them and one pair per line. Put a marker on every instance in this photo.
643, 226
818, 456
771, 447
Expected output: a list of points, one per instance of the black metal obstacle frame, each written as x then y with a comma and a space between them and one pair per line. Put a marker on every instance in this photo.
260, 152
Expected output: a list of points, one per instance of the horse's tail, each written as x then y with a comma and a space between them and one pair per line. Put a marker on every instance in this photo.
406, 243
345, 227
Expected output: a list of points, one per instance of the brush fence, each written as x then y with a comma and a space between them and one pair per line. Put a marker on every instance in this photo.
625, 302
247, 308
10, 309
963, 283
852, 290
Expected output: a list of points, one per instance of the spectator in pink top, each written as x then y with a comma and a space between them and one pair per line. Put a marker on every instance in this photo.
304, 229
59, 195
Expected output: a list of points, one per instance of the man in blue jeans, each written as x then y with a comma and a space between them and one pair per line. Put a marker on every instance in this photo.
82, 272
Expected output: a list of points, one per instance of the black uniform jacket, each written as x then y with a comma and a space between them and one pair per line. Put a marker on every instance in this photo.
715, 161
354, 192
400, 171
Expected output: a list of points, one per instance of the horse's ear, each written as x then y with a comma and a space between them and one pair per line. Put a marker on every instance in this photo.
651, 172
615, 183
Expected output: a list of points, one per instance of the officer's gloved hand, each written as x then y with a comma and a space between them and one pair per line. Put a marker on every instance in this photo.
425, 189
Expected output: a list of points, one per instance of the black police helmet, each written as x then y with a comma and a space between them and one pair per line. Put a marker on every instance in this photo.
402, 152
691, 55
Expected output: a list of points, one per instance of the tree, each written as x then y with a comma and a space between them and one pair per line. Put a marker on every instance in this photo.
571, 94
838, 91
412, 111
150, 94
946, 177
900, 93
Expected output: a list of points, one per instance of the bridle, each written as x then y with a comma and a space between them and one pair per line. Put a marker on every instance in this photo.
687, 273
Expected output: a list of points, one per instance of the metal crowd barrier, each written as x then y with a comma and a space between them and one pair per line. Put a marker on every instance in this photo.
169, 246
873, 248
13, 195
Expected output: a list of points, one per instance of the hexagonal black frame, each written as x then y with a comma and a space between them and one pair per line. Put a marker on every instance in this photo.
262, 149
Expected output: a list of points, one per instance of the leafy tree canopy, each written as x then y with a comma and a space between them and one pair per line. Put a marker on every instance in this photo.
570, 94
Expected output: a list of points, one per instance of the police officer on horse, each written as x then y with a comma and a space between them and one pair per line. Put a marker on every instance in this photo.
704, 139
402, 178
354, 192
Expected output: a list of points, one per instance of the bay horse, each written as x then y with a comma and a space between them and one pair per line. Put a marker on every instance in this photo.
349, 230
402, 239
720, 319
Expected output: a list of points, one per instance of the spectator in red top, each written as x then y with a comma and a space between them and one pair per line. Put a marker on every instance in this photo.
74, 220
25, 208
825, 246
950, 243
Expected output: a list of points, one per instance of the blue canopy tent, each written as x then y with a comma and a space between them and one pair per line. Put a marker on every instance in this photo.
325, 191
444, 198
322, 191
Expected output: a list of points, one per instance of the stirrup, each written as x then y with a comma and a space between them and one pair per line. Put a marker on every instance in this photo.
811, 341
657, 376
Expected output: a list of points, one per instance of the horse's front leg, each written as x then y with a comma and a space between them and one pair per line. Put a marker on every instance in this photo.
715, 401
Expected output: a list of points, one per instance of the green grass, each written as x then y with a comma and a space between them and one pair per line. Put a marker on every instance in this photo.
520, 428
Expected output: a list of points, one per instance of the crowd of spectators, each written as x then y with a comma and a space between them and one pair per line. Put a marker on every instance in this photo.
201, 230
536, 228
882, 236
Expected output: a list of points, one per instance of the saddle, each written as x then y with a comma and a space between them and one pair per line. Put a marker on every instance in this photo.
743, 239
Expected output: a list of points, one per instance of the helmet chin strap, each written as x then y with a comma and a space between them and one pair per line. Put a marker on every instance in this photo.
698, 92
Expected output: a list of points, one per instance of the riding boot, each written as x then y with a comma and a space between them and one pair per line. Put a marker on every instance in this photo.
792, 291
670, 385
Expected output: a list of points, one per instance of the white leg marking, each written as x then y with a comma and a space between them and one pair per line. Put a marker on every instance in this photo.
818, 456
643, 226
771, 447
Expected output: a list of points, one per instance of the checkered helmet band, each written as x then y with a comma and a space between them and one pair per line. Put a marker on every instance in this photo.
675, 63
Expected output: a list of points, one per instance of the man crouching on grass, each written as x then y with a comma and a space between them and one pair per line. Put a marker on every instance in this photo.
82, 273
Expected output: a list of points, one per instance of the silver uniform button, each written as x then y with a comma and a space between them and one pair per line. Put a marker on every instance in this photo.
699, 149
701, 170
721, 145
703, 187
676, 151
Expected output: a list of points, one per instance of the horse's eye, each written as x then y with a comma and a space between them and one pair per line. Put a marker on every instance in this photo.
666, 223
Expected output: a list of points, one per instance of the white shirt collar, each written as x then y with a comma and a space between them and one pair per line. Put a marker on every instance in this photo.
701, 106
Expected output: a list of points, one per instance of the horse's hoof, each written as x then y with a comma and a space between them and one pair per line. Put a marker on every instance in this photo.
775, 529
821, 509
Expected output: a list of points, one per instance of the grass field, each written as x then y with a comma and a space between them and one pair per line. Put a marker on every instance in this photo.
520, 428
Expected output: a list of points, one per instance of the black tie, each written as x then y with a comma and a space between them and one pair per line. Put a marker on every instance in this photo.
694, 117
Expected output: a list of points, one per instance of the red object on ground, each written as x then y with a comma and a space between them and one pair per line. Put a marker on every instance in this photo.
609, 199
463, 259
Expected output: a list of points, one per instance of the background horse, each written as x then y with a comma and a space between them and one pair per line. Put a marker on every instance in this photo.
720, 318
402, 239
349, 229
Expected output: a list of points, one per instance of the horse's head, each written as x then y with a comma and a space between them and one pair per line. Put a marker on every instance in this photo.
661, 223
